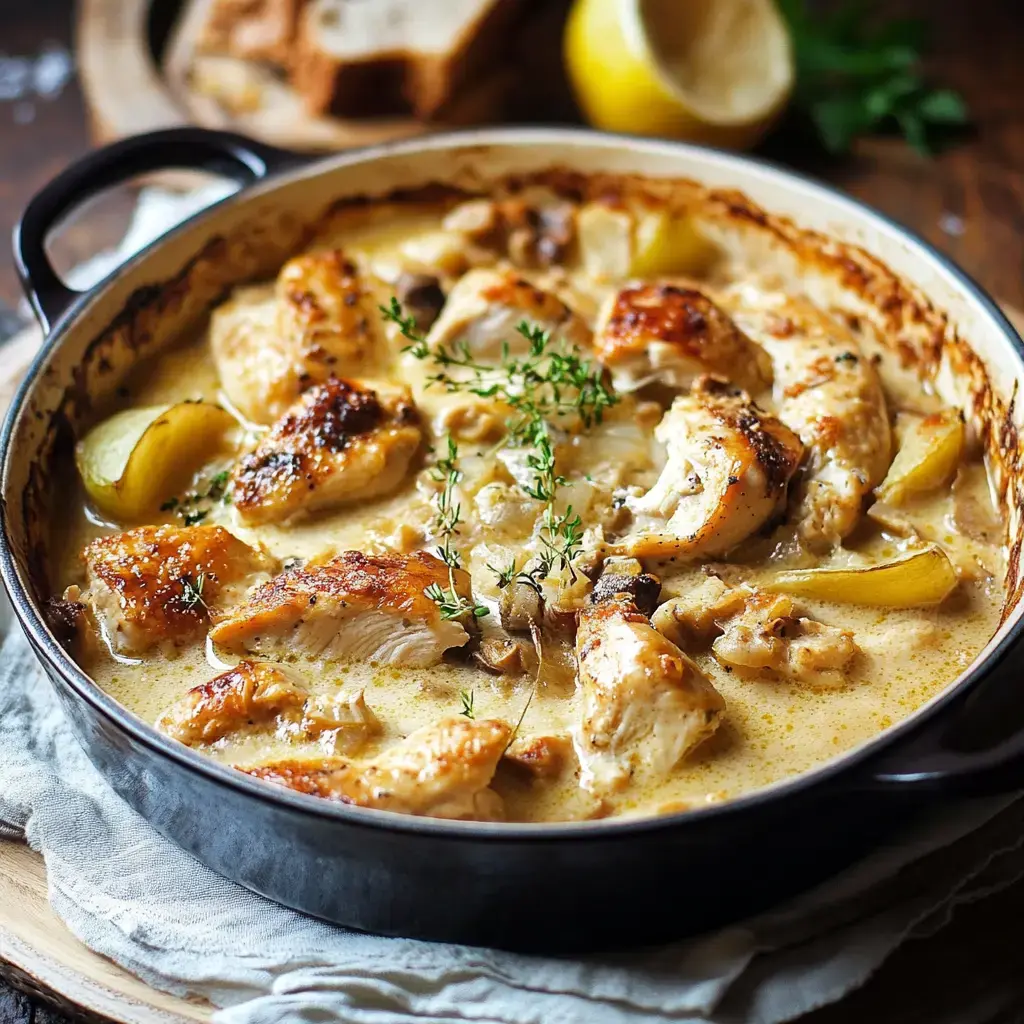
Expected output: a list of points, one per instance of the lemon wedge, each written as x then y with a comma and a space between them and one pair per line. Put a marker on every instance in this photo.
137, 458
711, 71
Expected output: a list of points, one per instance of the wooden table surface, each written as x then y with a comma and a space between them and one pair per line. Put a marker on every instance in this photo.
969, 201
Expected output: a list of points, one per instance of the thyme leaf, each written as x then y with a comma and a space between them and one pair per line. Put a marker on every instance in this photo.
552, 383
192, 590
450, 603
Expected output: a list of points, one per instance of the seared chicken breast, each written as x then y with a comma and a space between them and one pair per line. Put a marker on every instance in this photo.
354, 607
319, 320
727, 469
157, 586
830, 394
249, 694
756, 631
671, 334
645, 703
441, 771
342, 442
255, 693
486, 306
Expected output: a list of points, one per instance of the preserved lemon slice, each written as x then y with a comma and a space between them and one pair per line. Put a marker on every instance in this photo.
616, 243
929, 453
133, 461
923, 577
713, 71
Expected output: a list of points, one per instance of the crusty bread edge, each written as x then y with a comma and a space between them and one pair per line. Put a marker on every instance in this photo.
423, 83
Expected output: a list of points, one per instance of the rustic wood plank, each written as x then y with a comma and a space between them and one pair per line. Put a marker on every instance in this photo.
49, 960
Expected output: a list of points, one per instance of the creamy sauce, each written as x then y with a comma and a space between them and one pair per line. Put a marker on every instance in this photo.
773, 729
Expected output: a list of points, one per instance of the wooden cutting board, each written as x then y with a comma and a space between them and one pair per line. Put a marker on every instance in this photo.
40, 956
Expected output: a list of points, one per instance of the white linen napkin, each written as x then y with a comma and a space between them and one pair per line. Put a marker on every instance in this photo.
131, 895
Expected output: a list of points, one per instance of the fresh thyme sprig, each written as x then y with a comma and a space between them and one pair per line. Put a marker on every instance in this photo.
548, 385
468, 698
539, 648
450, 603
192, 590
187, 506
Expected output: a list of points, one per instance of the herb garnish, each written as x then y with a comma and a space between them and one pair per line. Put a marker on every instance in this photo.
449, 601
538, 647
192, 590
186, 506
468, 697
549, 385
855, 76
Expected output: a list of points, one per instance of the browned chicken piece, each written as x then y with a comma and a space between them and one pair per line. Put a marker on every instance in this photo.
162, 585
256, 693
251, 693
645, 703
484, 309
543, 757
831, 395
756, 631
727, 469
769, 635
72, 622
354, 607
670, 334
342, 442
440, 771
319, 320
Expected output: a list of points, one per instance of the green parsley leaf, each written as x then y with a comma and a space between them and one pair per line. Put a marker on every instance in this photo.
858, 75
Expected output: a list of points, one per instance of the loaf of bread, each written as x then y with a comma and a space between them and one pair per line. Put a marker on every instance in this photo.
261, 30
354, 57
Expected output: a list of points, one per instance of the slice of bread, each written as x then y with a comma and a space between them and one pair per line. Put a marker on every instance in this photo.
262, 30
354, 57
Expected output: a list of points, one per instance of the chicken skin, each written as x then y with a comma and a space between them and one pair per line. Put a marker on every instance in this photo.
440, 771
486, 306
645, 703
728, 466
157, 586
756, 631
830, 394
342, 442
671, 335
354, 607
255, 693
252, 693
270, 342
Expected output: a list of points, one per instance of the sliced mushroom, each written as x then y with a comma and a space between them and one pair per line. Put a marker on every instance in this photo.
644, 588
519, 607
502, 656
421, 296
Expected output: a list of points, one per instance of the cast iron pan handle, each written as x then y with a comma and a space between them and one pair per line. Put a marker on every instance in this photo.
975, 748
234, 156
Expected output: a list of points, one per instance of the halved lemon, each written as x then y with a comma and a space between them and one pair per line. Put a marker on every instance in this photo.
713, 71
